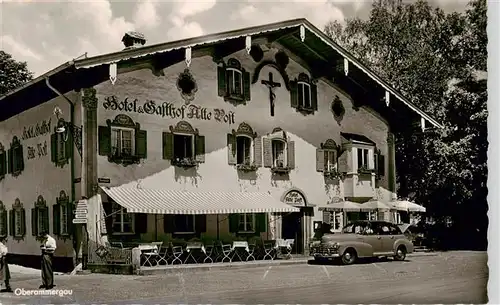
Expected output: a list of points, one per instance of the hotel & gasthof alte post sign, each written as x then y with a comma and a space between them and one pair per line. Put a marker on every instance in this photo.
169, 110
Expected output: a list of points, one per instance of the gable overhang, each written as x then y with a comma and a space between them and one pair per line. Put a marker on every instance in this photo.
297, 35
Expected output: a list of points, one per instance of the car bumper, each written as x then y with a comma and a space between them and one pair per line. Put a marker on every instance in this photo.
323, 252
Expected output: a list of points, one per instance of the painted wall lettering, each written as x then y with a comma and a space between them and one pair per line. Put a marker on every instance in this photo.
40, 129
166, 109
40, 150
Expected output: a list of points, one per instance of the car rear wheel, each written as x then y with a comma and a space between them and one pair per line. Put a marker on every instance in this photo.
400, 254
349, 257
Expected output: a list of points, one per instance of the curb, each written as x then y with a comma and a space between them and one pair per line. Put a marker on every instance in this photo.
241, 265
220, 266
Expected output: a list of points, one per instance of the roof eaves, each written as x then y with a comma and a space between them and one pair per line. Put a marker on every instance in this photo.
184, 43
42, 77
327, 40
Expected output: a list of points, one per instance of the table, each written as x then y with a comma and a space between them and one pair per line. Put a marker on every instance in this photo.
239, 247
194, 247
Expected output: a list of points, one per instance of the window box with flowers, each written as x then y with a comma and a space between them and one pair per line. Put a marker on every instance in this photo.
363, 170
247, 166
333, 174
185, 162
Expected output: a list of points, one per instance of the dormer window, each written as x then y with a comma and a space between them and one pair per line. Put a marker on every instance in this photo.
244, 148
279, 152
233, 82
304, 96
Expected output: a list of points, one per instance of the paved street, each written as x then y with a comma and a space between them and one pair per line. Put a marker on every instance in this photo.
452, 277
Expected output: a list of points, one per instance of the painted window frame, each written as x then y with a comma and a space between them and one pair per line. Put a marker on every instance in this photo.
275, 153
40, 217
368, 166
188, 232
116, 151
18, 219
121, 212
63, 207
227, 83
304, 87
183, 128
246, 222
16, 157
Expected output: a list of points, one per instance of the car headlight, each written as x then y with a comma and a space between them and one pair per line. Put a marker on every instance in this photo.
336, 246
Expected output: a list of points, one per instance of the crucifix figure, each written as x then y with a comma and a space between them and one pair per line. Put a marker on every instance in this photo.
271, 85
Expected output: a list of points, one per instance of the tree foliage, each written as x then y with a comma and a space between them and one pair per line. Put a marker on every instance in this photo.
436, 60
12, 73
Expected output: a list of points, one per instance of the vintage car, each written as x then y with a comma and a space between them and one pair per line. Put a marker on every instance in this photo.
363, 239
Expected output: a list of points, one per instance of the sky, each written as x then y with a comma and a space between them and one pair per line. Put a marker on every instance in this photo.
47, 33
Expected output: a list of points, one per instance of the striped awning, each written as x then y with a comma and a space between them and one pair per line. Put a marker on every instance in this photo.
151, 201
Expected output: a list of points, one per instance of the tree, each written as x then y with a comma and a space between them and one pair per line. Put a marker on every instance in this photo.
13, 73
434, 59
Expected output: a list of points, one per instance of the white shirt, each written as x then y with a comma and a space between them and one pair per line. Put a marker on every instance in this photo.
3, 250
50, 244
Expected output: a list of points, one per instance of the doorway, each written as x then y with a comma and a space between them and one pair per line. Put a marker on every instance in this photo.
292, 229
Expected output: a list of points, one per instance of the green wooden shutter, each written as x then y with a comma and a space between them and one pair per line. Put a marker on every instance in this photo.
246, 85
141, 144
10, 167
294, 95
56, 218
267, 153
260, 223
104, 133
20, 158
231, 149
69, 147
381, 165
23, 222
257, 151
314, 97
233, 223
45, 219
12, 223
3, 163
141, 223
199, 148
200, 223
53, 147
291, 154
34, 222
168, 224
168, 145
221, 81
320, 160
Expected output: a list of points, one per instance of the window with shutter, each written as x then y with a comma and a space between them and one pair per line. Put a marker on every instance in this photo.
241, 143
40, 217
62, 215
233, 82
123, 141
303, 93
185, 144
18, 225
16, 157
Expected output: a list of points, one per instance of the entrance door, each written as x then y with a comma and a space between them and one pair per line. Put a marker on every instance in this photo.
292, 229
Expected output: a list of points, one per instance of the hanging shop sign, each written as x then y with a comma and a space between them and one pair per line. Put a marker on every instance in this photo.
294, 198
169, 110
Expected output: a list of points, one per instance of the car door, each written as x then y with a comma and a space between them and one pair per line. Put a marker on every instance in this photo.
371, 237
387, 238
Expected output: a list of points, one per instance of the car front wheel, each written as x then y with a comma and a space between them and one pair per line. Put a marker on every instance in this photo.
349, 257
400, 254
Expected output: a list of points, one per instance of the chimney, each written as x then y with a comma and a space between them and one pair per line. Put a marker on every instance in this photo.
133, 40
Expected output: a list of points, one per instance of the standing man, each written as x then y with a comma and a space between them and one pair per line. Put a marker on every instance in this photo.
48, 248
4, 268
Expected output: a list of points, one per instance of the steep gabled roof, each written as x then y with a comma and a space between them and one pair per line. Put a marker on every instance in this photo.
316, 45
